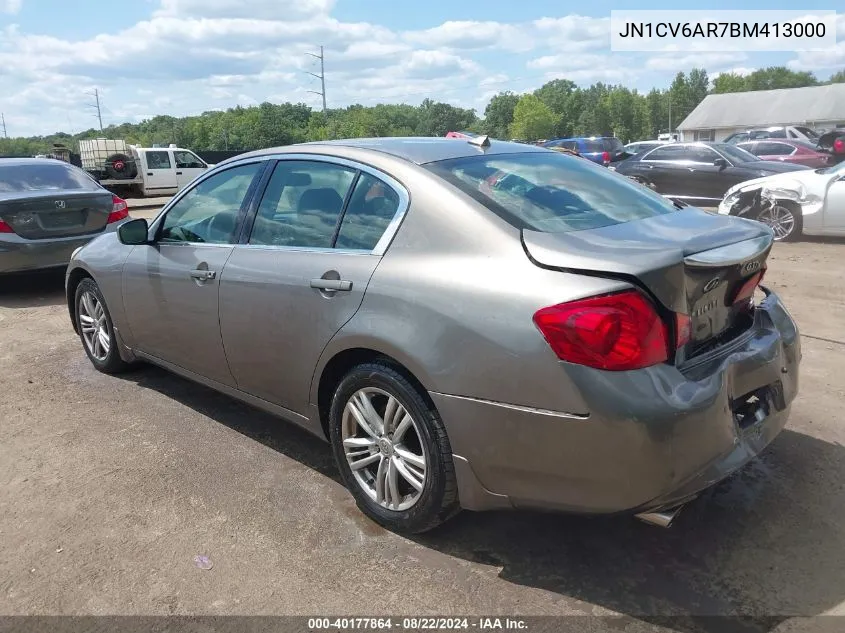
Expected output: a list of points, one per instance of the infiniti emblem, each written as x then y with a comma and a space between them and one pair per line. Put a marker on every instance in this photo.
712, 284
60, 204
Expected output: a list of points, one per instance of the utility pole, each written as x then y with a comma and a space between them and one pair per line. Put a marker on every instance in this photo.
321, 76
96, 96
3, 119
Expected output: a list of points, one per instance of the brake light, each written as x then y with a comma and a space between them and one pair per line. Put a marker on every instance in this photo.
119, 210
839, 146
614, 332
605, 157
5, 228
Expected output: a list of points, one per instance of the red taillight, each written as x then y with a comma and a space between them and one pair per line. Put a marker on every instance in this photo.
839, 146
746, 290
119, 210
613, 332
5, 228
683, 329
605, 157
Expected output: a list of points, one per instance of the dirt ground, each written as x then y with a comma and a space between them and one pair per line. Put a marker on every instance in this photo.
110, 487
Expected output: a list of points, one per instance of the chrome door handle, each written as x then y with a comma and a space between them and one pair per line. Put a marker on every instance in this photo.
331, 284
203, 275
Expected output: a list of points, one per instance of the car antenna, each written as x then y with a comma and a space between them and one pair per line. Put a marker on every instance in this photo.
480, 141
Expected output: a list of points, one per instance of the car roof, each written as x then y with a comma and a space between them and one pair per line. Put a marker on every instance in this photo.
418, 150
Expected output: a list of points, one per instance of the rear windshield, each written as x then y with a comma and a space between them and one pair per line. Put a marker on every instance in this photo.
599, 145
551, 192
44, 177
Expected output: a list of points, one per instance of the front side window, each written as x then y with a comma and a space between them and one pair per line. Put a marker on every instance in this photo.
208, 213
551, 192
699, 154
302, 204
158, 160
187, 160
666, 152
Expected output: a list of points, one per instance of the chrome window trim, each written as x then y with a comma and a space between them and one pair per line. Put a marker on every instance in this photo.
380, 247
389, 231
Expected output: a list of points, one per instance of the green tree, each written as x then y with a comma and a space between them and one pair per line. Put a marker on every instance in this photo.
532, 119
729, 82
779, 77
837, 78
498, 115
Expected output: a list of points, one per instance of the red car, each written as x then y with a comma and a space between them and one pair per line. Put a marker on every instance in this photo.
789, 151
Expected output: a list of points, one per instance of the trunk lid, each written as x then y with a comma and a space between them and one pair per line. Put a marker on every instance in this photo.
47, 214
691, 261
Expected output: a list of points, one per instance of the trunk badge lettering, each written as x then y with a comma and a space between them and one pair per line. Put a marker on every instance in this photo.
60, 204
712, 284
705, 308
750, 267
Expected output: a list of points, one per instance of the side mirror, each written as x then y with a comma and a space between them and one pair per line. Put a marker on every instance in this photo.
134, 232
721, 163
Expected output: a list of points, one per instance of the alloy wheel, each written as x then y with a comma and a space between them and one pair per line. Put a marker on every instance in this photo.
94, 325
780, 219
384, 448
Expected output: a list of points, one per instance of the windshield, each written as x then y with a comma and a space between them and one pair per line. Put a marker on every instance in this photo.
807, 132
736, 154
44, 177
551, 192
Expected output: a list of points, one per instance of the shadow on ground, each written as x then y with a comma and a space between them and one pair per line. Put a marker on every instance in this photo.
763, 546
33, 290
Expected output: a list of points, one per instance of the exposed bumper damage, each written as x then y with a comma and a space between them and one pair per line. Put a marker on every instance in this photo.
755, 197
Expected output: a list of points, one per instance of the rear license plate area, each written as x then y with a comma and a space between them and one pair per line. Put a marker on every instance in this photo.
63, 219
755, 406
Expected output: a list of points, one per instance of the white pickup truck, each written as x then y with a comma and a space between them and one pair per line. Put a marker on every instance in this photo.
149, 171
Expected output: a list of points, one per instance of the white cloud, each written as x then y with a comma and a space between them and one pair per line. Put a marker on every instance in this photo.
10, 6
677, 63
742, 71
253, 9
832, 58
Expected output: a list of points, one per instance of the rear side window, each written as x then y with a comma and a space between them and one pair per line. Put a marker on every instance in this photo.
593, 146
551, 192
45, 176
773, 149
666, 152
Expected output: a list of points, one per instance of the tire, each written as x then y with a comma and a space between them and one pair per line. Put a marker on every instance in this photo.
121, 167
780, 215
424, 436
88, 301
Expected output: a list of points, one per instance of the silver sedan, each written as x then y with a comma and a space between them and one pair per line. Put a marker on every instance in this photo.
470, 324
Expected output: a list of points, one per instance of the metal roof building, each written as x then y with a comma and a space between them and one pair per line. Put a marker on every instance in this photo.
719, 115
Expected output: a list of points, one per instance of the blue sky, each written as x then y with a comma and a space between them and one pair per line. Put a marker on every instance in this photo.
182, 57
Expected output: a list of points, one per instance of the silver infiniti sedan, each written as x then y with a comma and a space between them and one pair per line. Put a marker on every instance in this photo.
469, 324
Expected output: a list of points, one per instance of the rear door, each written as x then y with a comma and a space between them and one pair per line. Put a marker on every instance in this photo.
171, 287
188, 167
159, 172
49, 199
662, 167
302, 270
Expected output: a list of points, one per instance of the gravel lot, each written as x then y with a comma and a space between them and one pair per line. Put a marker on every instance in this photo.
110, 487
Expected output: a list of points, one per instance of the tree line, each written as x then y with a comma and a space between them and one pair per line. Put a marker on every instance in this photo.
558, 108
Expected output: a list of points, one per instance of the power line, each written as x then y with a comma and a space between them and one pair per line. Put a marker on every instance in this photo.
321, 76
96, 105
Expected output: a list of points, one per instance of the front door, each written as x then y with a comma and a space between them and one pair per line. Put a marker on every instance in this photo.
159, 172
188, 167
171, 287
302, 273
834, 208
